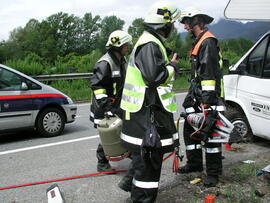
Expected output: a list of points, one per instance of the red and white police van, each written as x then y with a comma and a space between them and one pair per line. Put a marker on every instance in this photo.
28, 103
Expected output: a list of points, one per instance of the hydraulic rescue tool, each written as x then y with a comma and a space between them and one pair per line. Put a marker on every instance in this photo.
109, 130
210, 126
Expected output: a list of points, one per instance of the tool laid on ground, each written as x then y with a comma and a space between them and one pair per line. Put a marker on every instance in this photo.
210, 126
54, 194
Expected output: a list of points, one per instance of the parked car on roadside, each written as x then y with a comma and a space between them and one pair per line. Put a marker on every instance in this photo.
28, 103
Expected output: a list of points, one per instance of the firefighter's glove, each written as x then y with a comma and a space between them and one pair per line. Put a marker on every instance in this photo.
208, 128
109, 114
105, 104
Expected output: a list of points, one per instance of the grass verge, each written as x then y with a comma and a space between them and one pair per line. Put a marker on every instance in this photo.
79, 90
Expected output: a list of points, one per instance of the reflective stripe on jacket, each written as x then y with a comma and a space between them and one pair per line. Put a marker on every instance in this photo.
115, 70
107, 85
134, 88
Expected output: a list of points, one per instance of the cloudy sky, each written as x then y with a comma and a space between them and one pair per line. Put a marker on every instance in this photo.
15, 13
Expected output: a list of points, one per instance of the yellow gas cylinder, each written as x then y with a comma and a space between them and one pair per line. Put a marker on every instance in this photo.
109, 130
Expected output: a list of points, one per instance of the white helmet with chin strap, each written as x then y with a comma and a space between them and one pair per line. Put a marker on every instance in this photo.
162, 12
191, 12
118, 38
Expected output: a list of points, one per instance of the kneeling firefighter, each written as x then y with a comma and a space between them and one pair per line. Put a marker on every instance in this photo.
107, 84
205, 92
148, 125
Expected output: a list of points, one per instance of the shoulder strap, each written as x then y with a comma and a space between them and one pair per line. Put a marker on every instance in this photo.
108, 58
197, 46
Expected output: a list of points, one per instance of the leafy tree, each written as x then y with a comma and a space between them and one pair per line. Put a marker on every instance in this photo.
63, 40
245, 45
65, 29
90, 27
136, 29
233, 49
108, 25
15, 44
174, 42
185, 48
26, 40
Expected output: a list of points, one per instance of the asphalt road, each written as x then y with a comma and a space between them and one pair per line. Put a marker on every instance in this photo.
27, 158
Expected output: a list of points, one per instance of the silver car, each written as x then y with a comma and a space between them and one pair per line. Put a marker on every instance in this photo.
28, 103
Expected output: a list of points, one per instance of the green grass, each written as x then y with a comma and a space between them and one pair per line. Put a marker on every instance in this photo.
181, 82
77, 90
240, 194
245, 171
25, 67
243, 190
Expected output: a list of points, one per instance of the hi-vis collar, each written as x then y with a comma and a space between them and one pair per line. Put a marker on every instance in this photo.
195, 50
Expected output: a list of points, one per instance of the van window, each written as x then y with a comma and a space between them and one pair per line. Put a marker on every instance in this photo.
9, 80
256, 59
266, 71
13, 81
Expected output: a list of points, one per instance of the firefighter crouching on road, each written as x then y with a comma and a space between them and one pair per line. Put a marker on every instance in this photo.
148, 125
107, 84
206, 89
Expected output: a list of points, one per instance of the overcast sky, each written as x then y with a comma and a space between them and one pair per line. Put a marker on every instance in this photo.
15, 13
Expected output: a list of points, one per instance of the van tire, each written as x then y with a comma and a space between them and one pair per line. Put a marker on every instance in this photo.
240, 121
50, 122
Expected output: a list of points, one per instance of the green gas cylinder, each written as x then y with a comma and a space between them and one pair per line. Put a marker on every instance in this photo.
109, 130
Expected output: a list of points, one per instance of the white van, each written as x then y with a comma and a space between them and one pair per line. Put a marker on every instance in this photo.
247, 92
28, 103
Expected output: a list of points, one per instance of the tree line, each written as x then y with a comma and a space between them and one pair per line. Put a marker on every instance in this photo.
63, 43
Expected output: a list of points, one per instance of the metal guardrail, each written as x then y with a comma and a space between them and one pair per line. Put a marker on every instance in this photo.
72, 76
69, 76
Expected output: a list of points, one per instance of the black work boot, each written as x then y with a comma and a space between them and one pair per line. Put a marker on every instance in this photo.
126, 183
104, 167
211, 181
187, 169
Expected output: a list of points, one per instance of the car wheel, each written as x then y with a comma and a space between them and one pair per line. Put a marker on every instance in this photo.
241, 124
51, 122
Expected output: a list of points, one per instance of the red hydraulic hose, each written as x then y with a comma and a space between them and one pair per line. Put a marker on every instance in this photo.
70, 178
61, 179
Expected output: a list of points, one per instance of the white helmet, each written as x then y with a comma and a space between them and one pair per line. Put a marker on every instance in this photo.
191, 12
162, 12
117, 38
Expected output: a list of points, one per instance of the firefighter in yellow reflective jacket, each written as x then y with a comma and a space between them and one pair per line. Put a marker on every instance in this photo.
148, 101
206, 90
107, 84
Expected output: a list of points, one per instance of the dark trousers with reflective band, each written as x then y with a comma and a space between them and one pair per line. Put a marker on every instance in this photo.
213, 154
146, 177
101, 155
